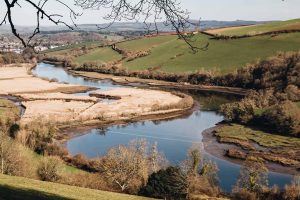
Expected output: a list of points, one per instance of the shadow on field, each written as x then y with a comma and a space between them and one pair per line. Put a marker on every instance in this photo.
12, 193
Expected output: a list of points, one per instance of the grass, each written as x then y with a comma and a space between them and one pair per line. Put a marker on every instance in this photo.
223, 56
169, 54
242, 133
298, 104
145, 43
261, 145
262, 28
15, 188
99, 55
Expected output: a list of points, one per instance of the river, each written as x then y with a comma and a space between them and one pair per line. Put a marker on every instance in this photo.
174, 136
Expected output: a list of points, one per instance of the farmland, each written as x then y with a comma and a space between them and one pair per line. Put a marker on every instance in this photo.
169, 54
257, 29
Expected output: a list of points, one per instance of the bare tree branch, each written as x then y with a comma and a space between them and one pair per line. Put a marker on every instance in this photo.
41, 13
168, 11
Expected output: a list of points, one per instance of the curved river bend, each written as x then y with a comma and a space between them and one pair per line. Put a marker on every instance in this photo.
174, 137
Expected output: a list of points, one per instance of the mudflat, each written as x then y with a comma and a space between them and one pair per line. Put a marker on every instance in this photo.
52, 101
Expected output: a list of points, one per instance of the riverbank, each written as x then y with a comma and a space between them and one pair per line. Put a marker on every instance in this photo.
133, 81
240, 149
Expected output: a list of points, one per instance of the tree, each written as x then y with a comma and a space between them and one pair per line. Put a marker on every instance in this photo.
126, 166
170, 183
201, 174
253, 177
49, 169
210, 171
170, 11
156, 159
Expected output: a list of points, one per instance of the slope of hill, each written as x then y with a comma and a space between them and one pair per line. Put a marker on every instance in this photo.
168, 54
257, 29
17, 188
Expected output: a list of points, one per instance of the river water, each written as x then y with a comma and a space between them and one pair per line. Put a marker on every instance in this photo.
174, 137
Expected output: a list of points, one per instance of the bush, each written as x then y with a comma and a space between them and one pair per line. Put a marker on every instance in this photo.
241, 112
293, 93
244, 195
49, 169
86, 180
11, 58
291, 192
284, 118
202, 185
37, 135
168, 183
12, 159
55, 150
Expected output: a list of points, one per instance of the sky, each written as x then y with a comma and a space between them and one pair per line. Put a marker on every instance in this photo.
223, 10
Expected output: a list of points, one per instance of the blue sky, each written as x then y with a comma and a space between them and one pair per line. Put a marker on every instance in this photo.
228, 10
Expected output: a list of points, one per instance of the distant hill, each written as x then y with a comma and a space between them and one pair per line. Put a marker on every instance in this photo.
130, 26
260, 28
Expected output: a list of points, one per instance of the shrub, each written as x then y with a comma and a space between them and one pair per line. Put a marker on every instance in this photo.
10, 58
252, 178
12, 159
201, 185
241, 112
126, 167
291, 192
293, 93
284, 118
49, 169
168, 183
244, 194
37, 135
86, 180
55, 150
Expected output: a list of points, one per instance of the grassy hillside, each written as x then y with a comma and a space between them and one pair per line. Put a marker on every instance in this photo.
169, 54
261, 28
172, 55
12, 188
223, 56
99, 55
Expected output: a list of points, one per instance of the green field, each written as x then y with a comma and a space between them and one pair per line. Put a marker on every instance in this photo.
262, 28
224, 56
17, 188
169, 54
99, 55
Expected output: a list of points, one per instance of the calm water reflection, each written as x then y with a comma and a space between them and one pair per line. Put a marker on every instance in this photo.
174, 137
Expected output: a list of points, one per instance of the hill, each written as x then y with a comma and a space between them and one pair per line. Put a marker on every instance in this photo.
168, 54
15, 188
260, 28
